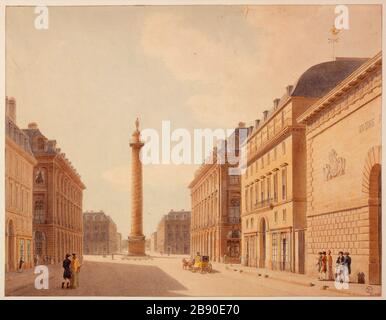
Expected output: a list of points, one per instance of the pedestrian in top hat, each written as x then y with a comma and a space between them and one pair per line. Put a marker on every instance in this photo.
67, 272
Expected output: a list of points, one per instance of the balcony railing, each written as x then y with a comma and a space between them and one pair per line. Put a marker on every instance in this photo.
265, 203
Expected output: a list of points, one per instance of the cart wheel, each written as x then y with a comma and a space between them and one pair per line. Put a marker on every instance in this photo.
209, 268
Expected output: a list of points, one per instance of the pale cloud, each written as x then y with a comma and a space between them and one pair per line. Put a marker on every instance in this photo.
222, 68
118, 177
240, 74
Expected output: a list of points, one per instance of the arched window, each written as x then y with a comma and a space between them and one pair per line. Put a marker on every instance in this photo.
39, 215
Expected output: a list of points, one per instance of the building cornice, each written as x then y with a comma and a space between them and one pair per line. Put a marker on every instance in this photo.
280, 136
201, 172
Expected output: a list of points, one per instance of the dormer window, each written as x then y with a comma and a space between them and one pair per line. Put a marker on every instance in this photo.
40, 144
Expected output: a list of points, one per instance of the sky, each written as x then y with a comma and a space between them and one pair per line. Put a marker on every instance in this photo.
87, 77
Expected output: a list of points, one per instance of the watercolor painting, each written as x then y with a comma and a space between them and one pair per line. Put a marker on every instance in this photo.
193, 151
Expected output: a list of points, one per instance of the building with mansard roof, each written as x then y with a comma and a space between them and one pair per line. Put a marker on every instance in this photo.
173, 233
57, 200
100, 234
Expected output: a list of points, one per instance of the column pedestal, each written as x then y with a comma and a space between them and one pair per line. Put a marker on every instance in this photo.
136, 246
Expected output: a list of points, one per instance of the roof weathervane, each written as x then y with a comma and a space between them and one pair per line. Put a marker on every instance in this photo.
334, 39
137, 124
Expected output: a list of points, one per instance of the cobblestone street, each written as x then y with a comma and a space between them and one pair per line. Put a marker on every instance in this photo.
164, 277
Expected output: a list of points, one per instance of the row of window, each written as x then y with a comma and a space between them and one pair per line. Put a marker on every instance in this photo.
25, 250
250, 222
177, 228
205, 189
280, 250
205, 213
178, 236
17, 198
67, 215
17, 167
265, 191
96, 236
265, 160
272, 128
69, 190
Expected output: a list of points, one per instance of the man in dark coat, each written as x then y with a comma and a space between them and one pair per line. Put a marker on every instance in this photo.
347, 266
67, 272
347, 262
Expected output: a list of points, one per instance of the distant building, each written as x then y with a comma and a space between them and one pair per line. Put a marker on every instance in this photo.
100, 233
147, 244
153, 242
124, 245
173, 233
19, 164
57, 201
119, 242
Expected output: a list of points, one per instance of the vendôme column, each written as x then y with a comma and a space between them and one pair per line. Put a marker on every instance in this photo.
136, 238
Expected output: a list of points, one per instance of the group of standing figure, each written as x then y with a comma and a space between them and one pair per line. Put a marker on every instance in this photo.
342, 266
71, 271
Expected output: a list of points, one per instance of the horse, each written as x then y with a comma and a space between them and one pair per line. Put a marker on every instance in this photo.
187, 264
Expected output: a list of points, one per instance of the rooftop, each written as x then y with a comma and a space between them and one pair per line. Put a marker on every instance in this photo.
315, 82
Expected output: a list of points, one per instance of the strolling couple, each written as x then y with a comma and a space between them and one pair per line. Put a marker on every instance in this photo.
343, 267
71, 271
325, 266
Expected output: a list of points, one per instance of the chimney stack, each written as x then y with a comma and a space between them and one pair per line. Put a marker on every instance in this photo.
289, 89
32, 125
10, 108
257, 123
241, 124
276, 103
265, 114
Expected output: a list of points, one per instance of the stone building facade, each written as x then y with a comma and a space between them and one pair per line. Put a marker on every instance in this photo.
274, 184
215, 198
100, 233
19, 164
119, 242
344, 172
173, 233
153, 242
57, 201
